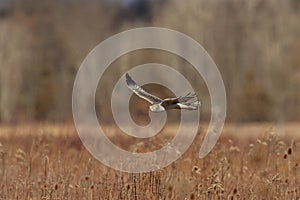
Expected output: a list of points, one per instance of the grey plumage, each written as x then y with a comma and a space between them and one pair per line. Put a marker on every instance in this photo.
188, 102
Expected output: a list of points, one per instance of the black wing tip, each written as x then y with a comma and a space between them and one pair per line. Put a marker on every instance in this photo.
129, 80
128, 77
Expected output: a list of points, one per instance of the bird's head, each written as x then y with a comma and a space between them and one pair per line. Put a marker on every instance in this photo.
156, 108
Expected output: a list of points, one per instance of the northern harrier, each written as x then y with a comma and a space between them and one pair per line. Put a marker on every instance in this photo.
188, 102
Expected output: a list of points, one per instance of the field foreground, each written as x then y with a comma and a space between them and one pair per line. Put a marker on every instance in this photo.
250, 161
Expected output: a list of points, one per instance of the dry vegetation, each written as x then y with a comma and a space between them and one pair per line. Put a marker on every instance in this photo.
49, 162
256, 47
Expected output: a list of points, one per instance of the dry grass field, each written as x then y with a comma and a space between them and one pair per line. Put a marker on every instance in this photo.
255, 45
45, 161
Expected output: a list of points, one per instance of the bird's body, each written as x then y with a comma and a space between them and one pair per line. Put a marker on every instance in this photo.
187, 102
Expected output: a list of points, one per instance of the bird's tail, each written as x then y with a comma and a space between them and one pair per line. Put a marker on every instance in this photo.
190, 105
189, 100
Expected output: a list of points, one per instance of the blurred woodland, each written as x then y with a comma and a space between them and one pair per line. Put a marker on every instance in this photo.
255, 44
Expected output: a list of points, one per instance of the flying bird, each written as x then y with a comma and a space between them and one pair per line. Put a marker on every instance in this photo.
187, 102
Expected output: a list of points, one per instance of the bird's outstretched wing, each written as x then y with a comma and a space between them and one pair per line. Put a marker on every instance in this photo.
140, 92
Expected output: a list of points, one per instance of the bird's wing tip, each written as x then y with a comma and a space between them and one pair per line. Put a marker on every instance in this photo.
129, 80
127, 76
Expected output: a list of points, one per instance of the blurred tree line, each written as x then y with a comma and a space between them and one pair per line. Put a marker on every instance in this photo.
255, 44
